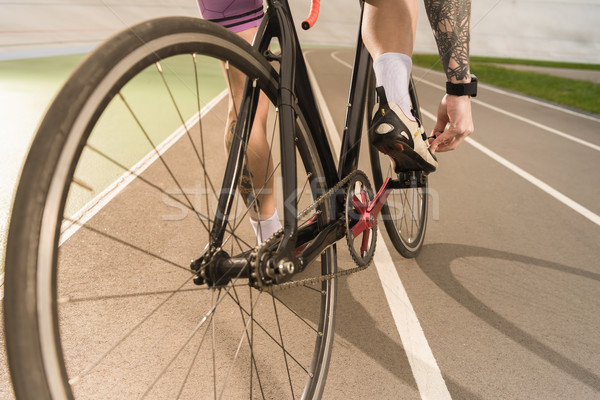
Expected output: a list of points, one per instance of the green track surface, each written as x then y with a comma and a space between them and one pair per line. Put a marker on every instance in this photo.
26, 89
122, 136
28, 86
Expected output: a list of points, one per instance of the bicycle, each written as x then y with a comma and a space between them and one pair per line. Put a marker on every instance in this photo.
101, 300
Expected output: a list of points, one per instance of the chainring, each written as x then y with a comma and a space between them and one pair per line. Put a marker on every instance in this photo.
260, 253
361, 226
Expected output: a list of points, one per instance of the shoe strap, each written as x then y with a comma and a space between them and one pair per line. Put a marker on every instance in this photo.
383, 102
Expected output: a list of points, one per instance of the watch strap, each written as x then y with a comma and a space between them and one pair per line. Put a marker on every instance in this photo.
463, 89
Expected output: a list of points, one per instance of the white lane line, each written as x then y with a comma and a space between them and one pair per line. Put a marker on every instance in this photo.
427, 374
338, 59
535, 181
516, 96
530, 178
97, 203
521, 118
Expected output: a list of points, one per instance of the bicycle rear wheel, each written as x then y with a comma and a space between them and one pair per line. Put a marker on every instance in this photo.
405, 212
117, 195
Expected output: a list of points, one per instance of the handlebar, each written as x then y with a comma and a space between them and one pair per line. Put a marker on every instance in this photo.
314, 14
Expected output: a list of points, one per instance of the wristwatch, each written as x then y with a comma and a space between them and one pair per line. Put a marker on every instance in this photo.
463, 89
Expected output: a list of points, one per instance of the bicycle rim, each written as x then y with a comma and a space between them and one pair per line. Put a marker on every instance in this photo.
118, 195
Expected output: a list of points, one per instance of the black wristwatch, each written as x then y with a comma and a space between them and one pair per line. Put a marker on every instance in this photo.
463, 89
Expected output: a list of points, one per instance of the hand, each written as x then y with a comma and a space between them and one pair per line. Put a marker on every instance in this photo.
454, 123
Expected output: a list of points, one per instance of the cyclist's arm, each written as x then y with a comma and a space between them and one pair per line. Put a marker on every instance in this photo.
450, 22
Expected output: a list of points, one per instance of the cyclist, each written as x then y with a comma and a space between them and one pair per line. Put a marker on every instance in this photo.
388, 30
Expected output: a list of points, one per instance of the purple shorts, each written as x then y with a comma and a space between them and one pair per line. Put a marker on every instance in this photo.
235, 15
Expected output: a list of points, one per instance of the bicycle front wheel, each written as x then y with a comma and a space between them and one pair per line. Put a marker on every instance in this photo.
405, 212
119, 193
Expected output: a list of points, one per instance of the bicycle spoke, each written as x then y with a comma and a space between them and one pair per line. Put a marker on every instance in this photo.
273, 339
152, 185
177, 353
93, 365
201, 133
407, 214
320, 291
287, 367
248, 207
193, 362
296, 314
183, 123
250, 337
70, 299
214, 356
124, 243
161, 158
238, 349
174, 326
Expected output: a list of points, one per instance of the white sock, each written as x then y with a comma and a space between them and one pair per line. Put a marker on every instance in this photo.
392, 71
264, 229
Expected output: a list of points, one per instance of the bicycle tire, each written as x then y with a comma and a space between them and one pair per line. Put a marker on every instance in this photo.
405, 211
67, 295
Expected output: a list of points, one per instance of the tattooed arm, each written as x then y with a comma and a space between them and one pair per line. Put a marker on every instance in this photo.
450, 21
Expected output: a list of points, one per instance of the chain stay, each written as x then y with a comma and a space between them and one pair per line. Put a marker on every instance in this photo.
258, 250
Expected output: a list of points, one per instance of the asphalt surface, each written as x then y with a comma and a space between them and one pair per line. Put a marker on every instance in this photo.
506, 288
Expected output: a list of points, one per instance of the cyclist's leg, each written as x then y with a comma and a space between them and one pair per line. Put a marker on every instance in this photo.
259, 160
388, 32
243, 17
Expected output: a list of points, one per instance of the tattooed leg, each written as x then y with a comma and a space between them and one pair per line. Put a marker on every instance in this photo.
450, 21
256, 182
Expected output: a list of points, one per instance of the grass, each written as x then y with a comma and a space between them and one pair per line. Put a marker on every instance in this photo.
537, 63
573, 93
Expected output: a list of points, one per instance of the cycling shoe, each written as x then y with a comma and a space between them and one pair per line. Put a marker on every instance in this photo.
400, 137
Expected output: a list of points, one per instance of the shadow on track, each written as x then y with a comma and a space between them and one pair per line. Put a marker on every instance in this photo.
435, 261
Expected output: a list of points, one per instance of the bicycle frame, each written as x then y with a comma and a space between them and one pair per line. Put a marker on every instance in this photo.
295, 90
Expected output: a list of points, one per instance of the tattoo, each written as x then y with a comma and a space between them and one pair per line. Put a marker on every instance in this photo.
450, 21
245, 185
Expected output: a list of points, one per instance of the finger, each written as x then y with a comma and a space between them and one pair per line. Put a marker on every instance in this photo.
438, 144
449, 145
433, 136
443, 142
440, 124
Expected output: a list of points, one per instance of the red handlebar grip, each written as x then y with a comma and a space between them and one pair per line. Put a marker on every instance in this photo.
315, 5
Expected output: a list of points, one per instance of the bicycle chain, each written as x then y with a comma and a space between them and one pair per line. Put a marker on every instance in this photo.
259, 250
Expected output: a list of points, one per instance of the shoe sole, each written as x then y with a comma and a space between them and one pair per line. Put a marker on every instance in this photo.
405, 158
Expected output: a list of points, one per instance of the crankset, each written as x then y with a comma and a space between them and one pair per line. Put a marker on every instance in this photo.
361, 225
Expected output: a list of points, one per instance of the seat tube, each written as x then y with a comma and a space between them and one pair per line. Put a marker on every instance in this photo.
287, 128
355, 112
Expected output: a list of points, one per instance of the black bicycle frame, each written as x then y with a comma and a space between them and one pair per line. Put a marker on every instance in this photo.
295, 91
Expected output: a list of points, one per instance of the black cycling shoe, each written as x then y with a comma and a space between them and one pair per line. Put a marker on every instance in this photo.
401, 138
